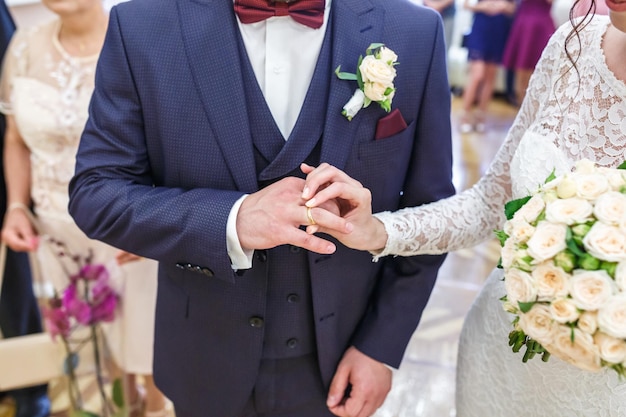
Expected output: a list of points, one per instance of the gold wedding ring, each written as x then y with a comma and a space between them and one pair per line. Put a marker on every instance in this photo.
310, 216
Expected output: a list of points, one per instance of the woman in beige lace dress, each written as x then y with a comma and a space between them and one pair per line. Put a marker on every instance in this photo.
47, 81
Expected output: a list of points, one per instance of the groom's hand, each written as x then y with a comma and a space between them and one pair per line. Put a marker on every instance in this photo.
369, 382
273, 216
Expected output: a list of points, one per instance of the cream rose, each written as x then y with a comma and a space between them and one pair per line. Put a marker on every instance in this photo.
538, 324
377, 71
612, 316
551, 281
387, 56
607, 243
611, 349
518, 229
531, 210
374, 91
548, 240
566, 188
591, 186
519, 286
591, 289
507, 254
588, 322
620, 276
585, 166
564, 310
355, 104
569, 211
610, 208
615, 177
582, 352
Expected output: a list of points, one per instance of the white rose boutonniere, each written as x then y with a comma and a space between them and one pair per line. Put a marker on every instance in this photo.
374, 74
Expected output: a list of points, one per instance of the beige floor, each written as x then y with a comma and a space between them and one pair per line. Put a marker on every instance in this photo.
424, 384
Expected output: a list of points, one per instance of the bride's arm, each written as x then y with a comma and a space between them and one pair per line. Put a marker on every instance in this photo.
460, 221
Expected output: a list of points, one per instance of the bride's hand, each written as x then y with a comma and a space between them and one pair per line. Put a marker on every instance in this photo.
356, 228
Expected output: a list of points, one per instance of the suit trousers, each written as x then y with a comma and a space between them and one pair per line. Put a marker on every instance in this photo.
289, 387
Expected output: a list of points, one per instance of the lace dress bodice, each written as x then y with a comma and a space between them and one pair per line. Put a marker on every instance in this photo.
567, 116
47, 91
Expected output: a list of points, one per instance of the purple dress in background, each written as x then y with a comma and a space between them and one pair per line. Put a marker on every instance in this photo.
487, 38
532, 28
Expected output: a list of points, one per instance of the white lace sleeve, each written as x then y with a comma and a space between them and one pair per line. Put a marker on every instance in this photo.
470, 217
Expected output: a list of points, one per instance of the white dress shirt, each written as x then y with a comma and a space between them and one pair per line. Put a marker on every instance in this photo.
283, 54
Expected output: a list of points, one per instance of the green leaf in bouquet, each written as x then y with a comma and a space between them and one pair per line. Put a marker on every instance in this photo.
502, 236
118, 393
525, 307
550, 177
571, 243
582, 229
345, 75
512, 206
622, 165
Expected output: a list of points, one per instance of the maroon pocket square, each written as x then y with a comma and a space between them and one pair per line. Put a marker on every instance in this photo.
390, 125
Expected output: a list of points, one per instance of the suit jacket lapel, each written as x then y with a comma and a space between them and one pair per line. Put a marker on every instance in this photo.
210, 38
356, 24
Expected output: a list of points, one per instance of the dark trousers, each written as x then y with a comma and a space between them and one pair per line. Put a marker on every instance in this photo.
285, 388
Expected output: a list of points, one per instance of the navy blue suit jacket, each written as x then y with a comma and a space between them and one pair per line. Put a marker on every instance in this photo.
167, 150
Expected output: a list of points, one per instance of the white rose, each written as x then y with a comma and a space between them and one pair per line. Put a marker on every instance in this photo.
615, 177
588, 322
620, 275
518, 229
564, 310
355, 104
377, 71
612, 316
531, 210
374, 91
507, 254
610, 208
551, 281
591, 186
591, 289
569, 211
538, 323
387, 55
611, 349
585, 166
607, 243
582, 352
519, 286
566, 188
548, 240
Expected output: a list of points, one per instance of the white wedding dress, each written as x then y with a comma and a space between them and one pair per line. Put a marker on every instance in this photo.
561, 121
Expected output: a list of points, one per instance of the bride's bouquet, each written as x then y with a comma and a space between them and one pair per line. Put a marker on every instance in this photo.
564, 261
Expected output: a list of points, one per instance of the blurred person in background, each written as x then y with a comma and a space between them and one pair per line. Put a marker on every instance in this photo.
19, 311
47, 82
447, 10
485, 45
530, 33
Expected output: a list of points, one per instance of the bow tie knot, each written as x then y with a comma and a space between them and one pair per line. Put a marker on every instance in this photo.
306, 12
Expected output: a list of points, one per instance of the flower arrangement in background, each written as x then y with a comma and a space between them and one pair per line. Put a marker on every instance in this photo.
75, 318
374, 74
564, 261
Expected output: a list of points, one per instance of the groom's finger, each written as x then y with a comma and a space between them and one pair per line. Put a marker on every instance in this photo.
325, 222
298, 237
356, 195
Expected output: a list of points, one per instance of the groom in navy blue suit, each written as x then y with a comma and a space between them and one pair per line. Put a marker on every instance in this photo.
202, 113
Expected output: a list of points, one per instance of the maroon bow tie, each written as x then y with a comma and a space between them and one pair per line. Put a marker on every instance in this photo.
307, 12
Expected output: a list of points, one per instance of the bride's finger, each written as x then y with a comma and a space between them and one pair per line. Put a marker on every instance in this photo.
324, 174
357, 196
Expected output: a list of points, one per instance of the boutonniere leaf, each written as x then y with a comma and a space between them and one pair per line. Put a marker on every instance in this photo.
374, 76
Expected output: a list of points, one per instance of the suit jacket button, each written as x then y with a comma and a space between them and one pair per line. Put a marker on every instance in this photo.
261, 255
206, 271
293, 298
189, 267
179, 265
292, 343
256, 322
